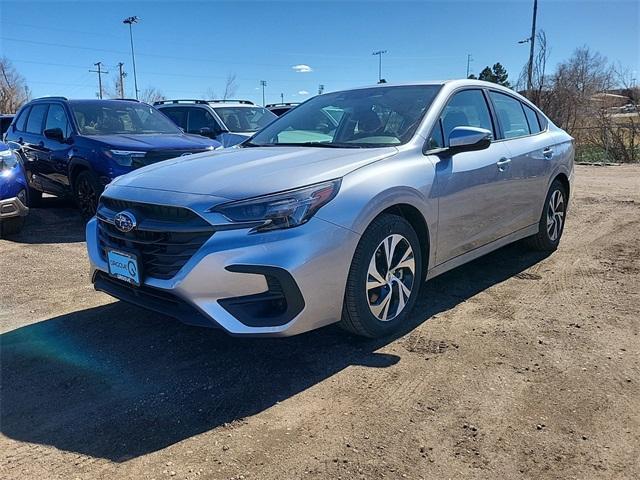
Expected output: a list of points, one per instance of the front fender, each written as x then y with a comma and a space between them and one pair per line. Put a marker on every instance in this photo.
404, 179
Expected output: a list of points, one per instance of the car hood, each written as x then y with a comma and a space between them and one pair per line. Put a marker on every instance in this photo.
238, 173
148, 142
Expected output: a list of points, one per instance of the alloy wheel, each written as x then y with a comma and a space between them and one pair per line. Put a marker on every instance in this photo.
390, 277
555, 215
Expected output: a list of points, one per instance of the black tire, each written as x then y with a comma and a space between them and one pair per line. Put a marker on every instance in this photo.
11, 226
548, 239
357, 316
87, 191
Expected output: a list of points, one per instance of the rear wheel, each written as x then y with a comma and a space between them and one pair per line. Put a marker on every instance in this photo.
384, 278
552, 220
87, 191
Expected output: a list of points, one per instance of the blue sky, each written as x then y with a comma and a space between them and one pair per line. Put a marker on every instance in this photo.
186, 48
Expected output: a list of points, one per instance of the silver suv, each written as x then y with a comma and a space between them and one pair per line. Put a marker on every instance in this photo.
227, 121
337, 211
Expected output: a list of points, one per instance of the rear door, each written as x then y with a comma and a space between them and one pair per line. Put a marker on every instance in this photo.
33, 146
472, 187
530, 154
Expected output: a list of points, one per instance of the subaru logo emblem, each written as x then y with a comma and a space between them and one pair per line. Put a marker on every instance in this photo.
125, 221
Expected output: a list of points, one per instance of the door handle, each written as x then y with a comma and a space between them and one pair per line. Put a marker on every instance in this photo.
547, 152
503, 163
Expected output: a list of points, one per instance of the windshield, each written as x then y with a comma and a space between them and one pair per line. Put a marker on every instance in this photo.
369, 117
245, 119
113, 117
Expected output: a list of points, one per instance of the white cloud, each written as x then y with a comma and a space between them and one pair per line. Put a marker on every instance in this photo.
303, 92
302, 68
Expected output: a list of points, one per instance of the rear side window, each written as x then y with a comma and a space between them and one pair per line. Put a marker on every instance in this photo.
22, 119
510, 115
532, 118
57, 118
177, 116
36, 118
467, 108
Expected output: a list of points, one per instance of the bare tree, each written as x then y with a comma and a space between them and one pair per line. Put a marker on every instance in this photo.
231, 87
539, 79
151, 94
13, 88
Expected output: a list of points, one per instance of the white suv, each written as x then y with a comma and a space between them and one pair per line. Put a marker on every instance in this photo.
228, 121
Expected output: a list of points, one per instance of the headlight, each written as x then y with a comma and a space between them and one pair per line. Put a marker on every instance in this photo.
124, 157
8, 159
280, 210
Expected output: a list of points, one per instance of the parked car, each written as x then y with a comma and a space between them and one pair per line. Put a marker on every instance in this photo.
228, 121
76, 147
13, 192
5, 121
280, 108
302, 226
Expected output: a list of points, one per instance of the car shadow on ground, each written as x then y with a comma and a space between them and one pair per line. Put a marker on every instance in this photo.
54, 220
118, 382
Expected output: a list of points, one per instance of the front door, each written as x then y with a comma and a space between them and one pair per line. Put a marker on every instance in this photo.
472, 187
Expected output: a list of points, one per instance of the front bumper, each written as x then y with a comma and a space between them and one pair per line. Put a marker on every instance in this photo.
12, 207
231, 279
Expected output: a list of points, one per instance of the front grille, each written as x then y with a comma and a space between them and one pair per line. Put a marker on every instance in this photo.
155, 156
164, 239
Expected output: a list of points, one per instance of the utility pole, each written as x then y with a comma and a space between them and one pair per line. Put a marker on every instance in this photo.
263, 83
121, 74
533, 41
99, 71
320, 89
469, 60
379, 53
282, 98
130, 21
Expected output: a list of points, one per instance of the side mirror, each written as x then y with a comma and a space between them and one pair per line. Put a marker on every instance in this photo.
54, 134
466, 139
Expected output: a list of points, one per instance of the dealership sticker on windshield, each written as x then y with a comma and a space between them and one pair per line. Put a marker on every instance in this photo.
124, 266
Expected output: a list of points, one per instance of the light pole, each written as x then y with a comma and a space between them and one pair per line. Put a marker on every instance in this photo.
130, 21
532, 41
469, 60
263, 83
379, 53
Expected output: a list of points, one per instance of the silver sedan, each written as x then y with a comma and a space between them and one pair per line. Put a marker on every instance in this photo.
337, 211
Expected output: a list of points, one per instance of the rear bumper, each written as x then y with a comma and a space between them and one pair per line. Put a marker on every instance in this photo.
12, 207
278, 283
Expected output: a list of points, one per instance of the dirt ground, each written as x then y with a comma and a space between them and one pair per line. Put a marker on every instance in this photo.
516, 366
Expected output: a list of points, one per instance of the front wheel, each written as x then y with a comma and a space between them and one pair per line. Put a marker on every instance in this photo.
87, 191
552, 220
384, 278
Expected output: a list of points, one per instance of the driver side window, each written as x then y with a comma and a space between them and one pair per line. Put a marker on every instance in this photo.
467, 108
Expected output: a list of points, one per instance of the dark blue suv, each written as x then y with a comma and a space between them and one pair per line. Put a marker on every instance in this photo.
76, 147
